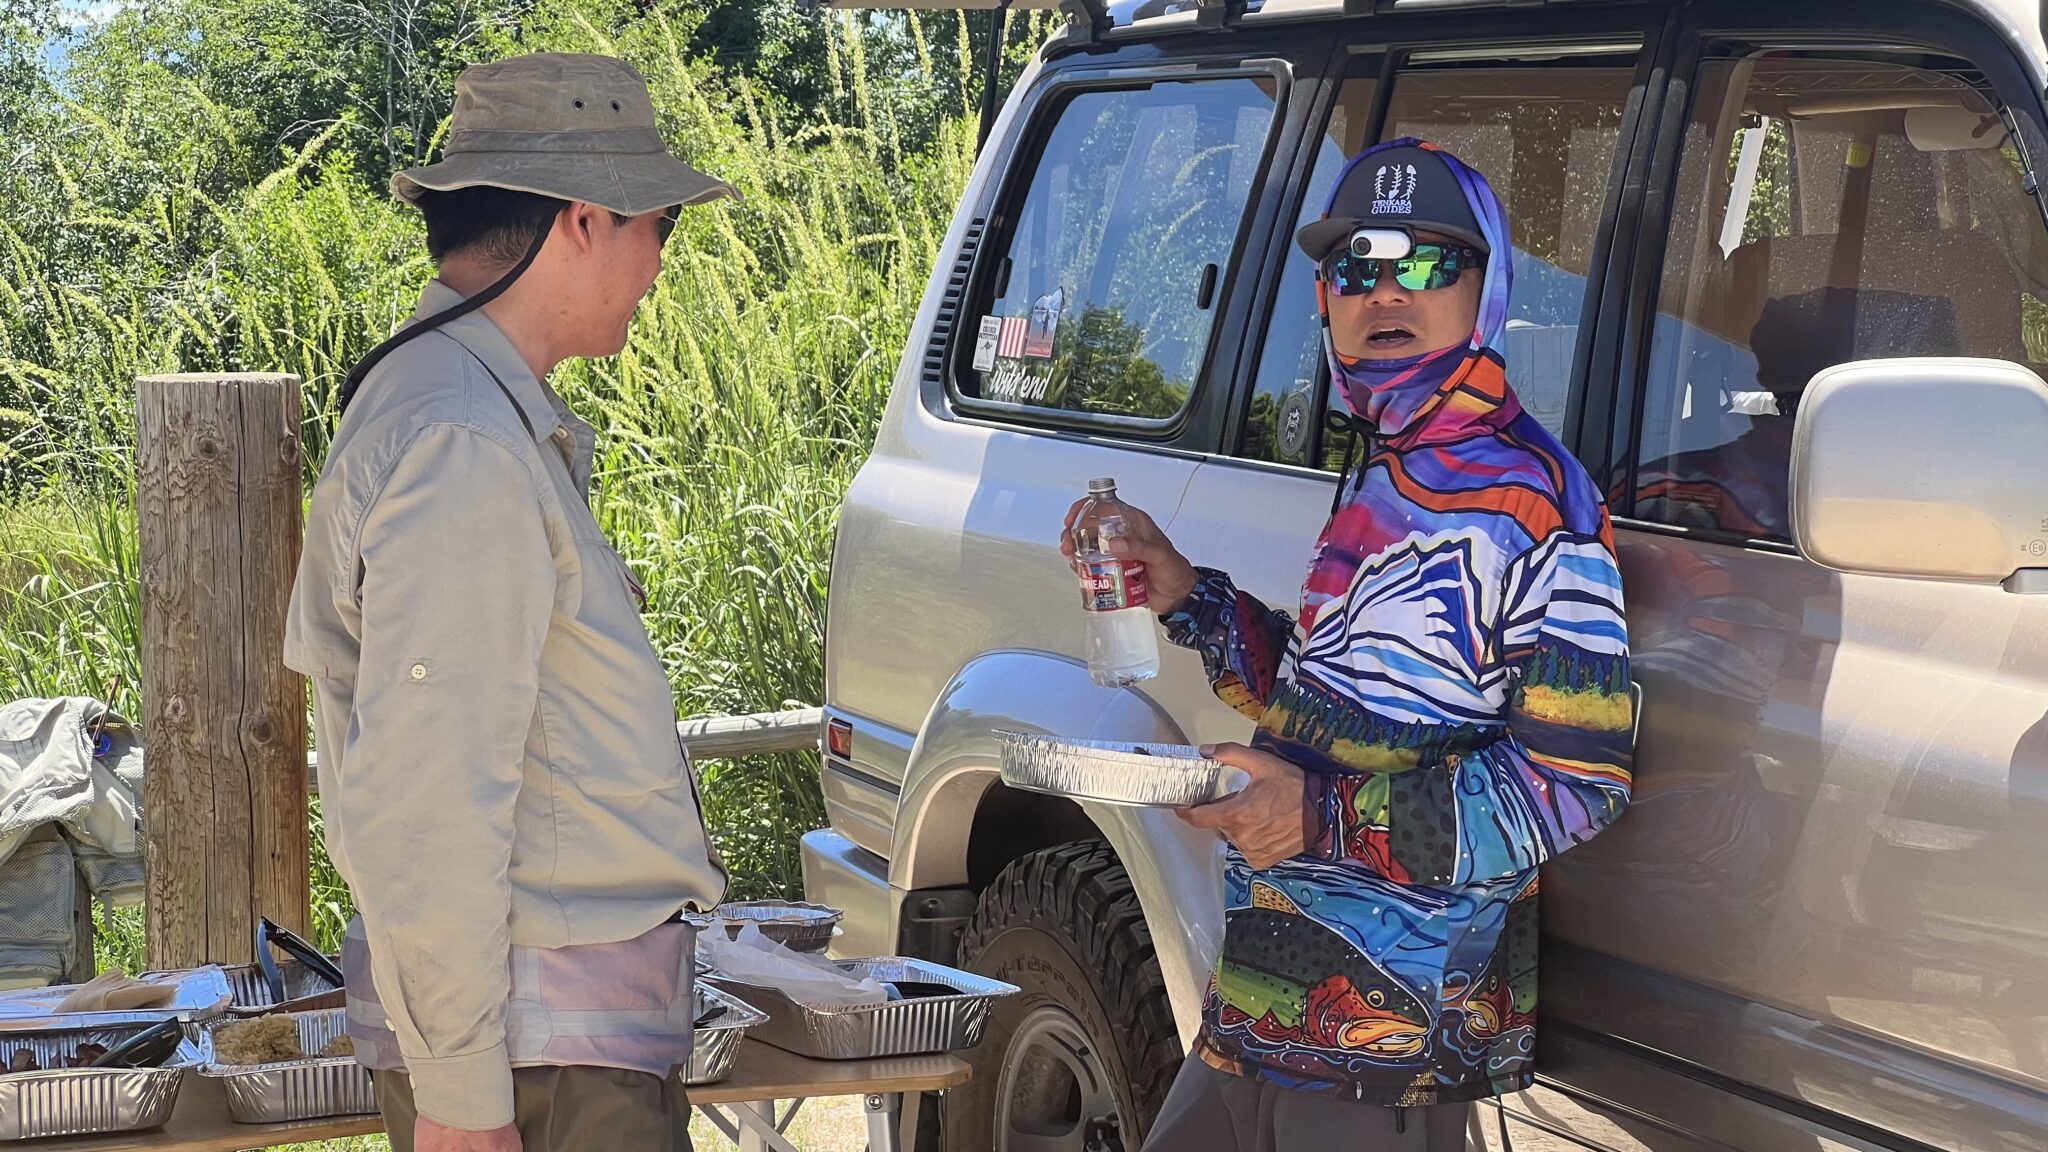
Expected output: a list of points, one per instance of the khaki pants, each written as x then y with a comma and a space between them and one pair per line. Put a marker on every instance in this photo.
1211, 1111
570, 1110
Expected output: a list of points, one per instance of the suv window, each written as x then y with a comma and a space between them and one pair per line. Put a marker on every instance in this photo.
1830, 207
1544, 133
1107, 285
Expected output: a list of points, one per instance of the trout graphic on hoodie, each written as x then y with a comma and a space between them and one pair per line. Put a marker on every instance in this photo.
1455, 688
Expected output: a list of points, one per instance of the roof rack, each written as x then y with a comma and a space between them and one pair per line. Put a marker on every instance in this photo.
1218, 13
1087, 19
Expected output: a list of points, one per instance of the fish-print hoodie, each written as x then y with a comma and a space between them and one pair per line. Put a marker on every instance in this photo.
1456, 692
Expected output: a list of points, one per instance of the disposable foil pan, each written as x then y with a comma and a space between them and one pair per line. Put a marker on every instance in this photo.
795, 925
722, 1021
1145, 775
299, 1089
202, 994
913, 1027
304, 990
62, 1101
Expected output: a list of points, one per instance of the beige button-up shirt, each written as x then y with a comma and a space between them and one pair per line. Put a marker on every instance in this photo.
499, 764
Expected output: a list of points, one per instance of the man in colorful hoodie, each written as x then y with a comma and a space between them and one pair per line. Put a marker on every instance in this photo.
1450, 710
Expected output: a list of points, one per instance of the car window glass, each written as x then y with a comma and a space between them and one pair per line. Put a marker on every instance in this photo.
1104, 297
1544, 134
1830, 207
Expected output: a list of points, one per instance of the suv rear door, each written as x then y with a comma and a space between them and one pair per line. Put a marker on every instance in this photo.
1827, 909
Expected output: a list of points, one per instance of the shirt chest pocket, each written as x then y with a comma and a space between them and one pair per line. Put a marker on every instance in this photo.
613, 707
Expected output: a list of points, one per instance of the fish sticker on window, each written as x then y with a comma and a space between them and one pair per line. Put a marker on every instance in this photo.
1044, 324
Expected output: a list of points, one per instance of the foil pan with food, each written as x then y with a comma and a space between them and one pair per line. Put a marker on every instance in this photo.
288, 1066
922, 1008
112, 1000
1115, 772
88, 1081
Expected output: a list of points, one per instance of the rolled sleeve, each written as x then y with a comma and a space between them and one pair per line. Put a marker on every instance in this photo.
457, 589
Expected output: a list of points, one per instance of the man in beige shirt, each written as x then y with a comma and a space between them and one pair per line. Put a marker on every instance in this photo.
499, 769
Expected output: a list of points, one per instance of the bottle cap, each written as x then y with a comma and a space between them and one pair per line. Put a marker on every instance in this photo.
1101, 485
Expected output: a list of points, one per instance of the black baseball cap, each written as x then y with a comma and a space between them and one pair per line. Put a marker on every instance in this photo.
1402, 187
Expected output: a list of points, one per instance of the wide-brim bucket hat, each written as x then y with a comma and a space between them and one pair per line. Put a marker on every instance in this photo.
561, 124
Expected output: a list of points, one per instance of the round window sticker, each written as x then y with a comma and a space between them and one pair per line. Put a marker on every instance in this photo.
1294, 423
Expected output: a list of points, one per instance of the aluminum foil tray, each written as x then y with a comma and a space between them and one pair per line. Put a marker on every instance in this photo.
300, 1089
715, 1042
1144, 775
913, 1027
203, 993
795, 925
304, 990
84, 1101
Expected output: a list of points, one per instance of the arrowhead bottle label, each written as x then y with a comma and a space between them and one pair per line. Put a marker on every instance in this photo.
1112, 585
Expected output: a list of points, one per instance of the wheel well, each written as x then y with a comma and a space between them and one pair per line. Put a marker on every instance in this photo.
1010, 822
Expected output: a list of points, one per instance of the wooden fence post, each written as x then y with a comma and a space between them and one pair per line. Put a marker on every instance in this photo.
218, 495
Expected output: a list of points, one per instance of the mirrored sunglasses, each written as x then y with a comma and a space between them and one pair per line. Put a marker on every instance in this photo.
1427, 267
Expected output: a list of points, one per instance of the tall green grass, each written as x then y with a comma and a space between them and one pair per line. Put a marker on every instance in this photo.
729, 427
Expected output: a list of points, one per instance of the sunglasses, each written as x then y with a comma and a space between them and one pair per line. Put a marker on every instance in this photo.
666, 226
1426, 267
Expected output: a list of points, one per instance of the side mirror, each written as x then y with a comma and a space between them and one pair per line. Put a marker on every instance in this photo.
1932, 468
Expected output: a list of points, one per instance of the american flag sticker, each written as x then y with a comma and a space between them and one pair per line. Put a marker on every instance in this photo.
1011, 345
985, 343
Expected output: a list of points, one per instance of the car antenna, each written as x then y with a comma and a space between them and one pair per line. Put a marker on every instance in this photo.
992, 71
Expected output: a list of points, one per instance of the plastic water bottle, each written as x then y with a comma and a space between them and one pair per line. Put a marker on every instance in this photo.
1122, 644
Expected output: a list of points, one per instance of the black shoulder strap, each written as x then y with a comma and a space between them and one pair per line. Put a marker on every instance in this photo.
517, 410
357, 374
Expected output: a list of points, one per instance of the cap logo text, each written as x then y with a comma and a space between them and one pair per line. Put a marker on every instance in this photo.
1393, 190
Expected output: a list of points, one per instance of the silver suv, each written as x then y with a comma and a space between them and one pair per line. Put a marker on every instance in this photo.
1781, 282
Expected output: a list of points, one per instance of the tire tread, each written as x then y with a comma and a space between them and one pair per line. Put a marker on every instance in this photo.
1081, 894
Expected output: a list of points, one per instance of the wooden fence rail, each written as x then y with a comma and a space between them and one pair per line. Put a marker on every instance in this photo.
721, 737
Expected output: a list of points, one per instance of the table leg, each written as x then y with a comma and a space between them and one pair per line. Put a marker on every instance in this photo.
885, 1120
756, 1124
715, 1114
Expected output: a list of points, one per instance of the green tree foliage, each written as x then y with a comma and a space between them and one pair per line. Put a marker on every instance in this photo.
204, 188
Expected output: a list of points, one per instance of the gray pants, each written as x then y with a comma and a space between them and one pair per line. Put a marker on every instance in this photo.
1211, 1111
569, 1110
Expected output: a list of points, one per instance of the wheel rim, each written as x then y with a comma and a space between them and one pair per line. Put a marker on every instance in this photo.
1053, 1094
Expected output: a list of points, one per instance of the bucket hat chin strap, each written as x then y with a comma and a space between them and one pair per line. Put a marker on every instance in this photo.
362, 369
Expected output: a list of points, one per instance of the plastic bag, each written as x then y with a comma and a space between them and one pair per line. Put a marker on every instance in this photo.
754, 959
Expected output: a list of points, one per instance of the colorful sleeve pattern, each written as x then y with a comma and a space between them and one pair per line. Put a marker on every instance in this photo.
1242, 641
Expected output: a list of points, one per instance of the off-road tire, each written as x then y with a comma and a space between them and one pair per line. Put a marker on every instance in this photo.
1063, 924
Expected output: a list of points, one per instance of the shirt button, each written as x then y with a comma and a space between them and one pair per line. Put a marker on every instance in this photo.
419, 671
